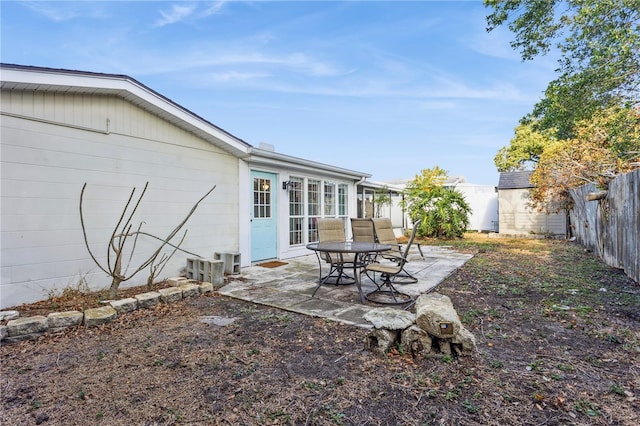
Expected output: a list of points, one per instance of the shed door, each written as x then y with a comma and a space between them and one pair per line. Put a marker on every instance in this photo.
263, 216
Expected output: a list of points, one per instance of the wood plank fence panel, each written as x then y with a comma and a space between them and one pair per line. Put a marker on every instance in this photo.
610, 226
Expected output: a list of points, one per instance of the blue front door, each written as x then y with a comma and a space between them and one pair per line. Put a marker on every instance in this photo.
264, 231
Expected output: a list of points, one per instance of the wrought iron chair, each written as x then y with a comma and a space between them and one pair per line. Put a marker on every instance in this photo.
385, 235
386, 292
331, 229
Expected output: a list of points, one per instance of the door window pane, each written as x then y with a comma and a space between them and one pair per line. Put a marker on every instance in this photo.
261, 198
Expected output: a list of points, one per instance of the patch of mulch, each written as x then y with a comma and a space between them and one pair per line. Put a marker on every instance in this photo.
558, 344
79, 299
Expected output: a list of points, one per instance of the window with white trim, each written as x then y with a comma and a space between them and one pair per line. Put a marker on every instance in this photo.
310, 199
296, 211
343, 200
314, 204
329, 199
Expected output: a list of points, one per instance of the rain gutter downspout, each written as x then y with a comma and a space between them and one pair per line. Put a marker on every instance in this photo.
362, 179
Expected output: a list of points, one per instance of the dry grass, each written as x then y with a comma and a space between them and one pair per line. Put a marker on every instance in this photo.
557, 331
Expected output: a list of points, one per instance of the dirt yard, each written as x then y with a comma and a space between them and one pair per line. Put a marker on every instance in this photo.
558, 335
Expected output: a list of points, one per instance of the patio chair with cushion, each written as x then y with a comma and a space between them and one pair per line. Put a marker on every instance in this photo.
385, 235
386, 292
332, 229
362, 230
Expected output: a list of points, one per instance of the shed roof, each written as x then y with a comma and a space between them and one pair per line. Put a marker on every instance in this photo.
515, 180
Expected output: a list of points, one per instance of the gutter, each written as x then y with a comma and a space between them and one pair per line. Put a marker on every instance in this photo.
272, 158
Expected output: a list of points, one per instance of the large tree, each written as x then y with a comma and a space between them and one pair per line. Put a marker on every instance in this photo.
599, 44
605, 146
525, 149
584, 129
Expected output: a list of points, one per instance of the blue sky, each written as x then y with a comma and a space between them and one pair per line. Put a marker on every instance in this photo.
386, 88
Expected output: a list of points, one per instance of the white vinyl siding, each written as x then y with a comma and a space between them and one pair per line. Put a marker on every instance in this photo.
515, 217
53, 143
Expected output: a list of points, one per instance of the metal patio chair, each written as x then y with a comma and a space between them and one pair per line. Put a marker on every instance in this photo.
362, 230
386, 292
385, 235
332, 229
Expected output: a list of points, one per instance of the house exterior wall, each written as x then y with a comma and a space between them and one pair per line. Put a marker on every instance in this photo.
285, 249
517, 218
52, 143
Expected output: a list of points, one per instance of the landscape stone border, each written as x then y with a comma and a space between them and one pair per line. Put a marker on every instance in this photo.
28, 328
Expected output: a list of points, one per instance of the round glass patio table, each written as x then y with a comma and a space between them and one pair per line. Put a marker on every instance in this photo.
337, 249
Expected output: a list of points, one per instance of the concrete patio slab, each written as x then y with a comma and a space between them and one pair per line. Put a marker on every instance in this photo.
290, 287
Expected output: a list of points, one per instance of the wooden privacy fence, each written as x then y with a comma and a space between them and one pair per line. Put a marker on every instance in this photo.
610, 225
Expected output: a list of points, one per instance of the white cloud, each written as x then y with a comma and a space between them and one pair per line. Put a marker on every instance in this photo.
177, 13
214, 9
236, 76
289, 63
180, 12
65, 11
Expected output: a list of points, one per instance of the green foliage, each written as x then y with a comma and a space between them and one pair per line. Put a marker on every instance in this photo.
604, 146
35, 404
591, 108
525, 149
617, 389
427, 180
599, 43
381, 198
443, 212
470, 406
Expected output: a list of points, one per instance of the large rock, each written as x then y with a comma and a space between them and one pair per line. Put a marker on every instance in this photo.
28, 325
190, 290
206, 287
147, 300
416, 341
216, 320
22, 337
170, 294
390, 318
60, 320
435, 315
9, 315
466, 341
176, 281
122, 306
97, 316
379, 341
